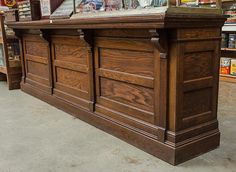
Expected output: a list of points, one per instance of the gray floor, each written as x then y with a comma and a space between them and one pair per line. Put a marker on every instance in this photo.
36, 137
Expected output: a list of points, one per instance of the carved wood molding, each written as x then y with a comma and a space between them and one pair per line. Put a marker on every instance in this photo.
158, 40
18, 33
85, 36
45, 35
81, 34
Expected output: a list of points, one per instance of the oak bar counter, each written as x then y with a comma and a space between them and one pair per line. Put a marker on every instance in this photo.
150, 79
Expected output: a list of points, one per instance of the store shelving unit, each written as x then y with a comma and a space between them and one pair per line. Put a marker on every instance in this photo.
10, 68
3, 68
229, 28
228, 52
228, 78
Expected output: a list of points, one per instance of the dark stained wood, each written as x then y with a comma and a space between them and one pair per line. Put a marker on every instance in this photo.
195, 64
197, 67
3, 77
155, 87
157, 20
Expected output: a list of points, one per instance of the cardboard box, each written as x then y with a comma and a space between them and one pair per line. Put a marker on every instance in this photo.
225, 66
11, 15
233, 67
29, 10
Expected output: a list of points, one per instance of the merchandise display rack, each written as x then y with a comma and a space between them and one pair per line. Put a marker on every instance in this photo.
3, 68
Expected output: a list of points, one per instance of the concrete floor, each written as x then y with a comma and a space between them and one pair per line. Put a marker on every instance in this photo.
36, 137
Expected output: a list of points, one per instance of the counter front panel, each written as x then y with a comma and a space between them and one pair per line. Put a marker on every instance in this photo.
72, 67
156, 88
36, 61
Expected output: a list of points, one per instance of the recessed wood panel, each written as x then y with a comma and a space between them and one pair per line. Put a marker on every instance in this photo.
123, 33
36, 61
197, 102
38, 69
199, 33
36, 48
198, 65
202, 46
125, 76
138, 120
125, 44
137, 96
72, 66
71, 53
139, 63
72, 79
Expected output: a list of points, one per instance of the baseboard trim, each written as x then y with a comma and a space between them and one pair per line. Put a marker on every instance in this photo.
161, 150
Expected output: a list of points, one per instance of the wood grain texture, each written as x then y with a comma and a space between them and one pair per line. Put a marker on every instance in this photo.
194, 103
129, 94
38, 69
198, 65
139, 63
71, 61
126, 77
72, 79
123, 33
145, 126
124, 44
194, 93
198, 33
36, 49
125, 88
140, 21
71, 53
36, 61
115, 107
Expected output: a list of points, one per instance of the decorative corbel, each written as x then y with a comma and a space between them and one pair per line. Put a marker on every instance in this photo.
45, 34
86, 36
18, 33
159, 41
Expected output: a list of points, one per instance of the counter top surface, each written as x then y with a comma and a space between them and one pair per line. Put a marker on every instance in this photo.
145, 18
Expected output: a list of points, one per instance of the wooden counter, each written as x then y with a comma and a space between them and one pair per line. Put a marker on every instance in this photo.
150, 80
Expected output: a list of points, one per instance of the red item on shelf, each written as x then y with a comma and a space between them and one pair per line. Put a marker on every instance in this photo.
9, 3
225, 66
225, 70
